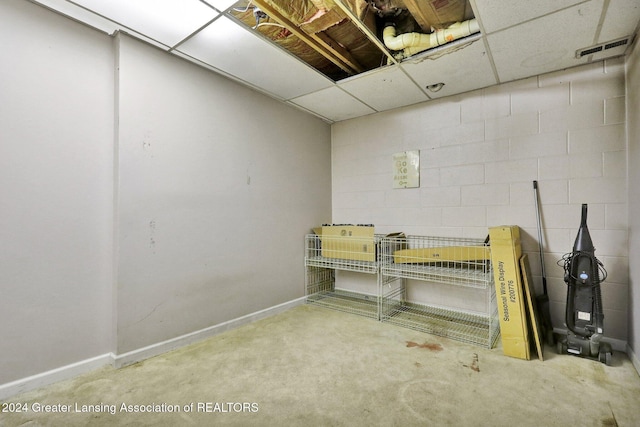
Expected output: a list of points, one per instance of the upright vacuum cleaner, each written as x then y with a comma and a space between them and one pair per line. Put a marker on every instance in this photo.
583, 273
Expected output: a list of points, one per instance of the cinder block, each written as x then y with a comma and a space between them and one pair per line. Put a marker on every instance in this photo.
485, 195
512, 171
521, 193
471, 108
553, 168
616, 216
442, 156
402, 198
467, 216
540, 98
587, 165
615, 324
462, 175
615, 110
598, 190
615, 296
617, 269
613, 243
512, 126
496, 102
562, 217
440, 196
571, 117
523, 215
601, 86
615, 164
553, 192
601, 138
464, 133
540, 145
488, 151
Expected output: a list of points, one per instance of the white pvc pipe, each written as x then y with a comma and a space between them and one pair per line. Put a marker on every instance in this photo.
412, 43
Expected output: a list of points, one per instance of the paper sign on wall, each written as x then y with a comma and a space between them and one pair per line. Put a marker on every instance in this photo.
406, 169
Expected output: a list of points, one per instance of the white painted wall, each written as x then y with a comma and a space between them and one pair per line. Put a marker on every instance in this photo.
191, 214
217, 187
633, 130
480, 153
56, 181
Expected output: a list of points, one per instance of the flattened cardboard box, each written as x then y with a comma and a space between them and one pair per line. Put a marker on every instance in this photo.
505, 256
353, 242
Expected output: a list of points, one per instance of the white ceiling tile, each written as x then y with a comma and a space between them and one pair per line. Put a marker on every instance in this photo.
79, 14
620, 20
234, 49
334, 104
466, 67
496, 15
545, 44
221, 5
384, 89
166, 21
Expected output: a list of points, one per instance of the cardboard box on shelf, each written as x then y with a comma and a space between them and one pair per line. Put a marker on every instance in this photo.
505, 257
442, 254
353, 242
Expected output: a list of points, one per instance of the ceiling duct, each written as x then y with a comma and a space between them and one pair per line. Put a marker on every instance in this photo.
606, 50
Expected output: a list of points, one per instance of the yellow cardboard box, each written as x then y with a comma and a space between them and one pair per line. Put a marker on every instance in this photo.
505, 256
353, 242
442, 254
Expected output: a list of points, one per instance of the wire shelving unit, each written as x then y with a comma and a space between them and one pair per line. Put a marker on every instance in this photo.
457, 262
346, 256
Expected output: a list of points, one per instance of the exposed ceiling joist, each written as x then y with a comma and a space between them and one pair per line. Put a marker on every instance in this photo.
321, 44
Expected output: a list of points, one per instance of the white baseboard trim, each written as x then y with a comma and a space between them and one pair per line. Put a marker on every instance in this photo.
49, 377
134, 356
70, 371
634, 359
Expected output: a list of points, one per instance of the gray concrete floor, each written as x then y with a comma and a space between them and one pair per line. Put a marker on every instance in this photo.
310, 366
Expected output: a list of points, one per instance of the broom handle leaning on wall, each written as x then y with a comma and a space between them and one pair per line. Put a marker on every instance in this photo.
544, 275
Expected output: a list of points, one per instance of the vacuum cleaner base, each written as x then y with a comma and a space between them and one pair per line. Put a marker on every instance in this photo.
584, 347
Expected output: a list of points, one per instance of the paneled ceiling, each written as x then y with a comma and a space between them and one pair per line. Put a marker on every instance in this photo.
336, 60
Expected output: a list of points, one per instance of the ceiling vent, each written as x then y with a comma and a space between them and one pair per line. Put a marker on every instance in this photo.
606, 50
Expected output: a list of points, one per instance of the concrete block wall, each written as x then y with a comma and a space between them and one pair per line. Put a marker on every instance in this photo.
479, 154
633, 135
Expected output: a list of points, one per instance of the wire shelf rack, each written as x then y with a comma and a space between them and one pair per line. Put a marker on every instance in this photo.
480, 329
396, 259
346, 301
452, 261
359, 254
455, 261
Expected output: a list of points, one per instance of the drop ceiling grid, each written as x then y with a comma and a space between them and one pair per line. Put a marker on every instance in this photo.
619, 21
384, 89
464, 69
521, 39
166, 22
496, 16
230, 47
546, 43
334, 104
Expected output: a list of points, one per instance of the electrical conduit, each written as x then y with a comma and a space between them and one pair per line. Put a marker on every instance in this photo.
412, 43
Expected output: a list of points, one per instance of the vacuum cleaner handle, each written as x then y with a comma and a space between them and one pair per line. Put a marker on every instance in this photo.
583, 242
